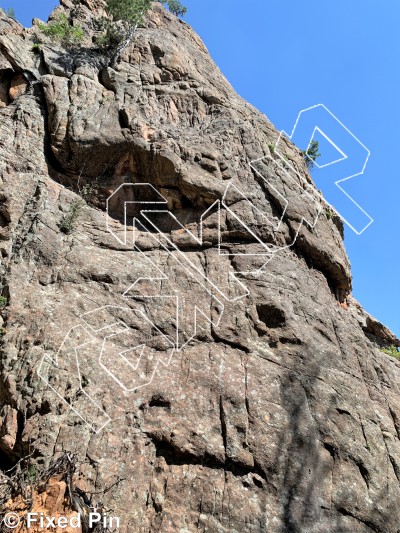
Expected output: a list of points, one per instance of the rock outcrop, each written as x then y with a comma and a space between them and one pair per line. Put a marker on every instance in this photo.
207, 365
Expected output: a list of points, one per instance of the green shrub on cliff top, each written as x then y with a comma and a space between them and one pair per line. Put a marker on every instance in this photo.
60, 30
128, 11
127, 15
175, 7
133, 11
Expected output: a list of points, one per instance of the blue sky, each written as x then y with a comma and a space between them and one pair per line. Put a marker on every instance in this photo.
287, 56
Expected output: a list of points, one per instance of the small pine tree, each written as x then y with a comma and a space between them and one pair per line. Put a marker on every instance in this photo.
175, 7
131, 12
311, 154
10, 13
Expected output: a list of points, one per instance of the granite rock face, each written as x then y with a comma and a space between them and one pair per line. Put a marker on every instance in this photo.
201, 352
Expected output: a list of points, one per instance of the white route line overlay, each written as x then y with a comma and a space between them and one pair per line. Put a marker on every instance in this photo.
343, 179
192, 270
95, 416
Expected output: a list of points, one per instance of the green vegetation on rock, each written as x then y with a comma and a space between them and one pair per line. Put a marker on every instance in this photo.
69, 220
175, 7
392, 350
329, 213
126, 16
131, 12
60, 30
9, 11
311, 154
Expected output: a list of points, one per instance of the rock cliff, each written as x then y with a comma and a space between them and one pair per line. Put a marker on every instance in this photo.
177, 319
